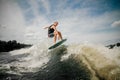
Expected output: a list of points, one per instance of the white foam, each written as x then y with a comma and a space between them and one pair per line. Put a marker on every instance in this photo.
38, 55
96, 49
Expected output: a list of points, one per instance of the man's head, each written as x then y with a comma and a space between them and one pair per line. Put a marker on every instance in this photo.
55, 23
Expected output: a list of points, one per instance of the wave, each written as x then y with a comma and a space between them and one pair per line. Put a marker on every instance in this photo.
67, 62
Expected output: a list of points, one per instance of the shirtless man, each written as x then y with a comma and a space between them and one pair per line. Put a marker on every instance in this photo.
53, 32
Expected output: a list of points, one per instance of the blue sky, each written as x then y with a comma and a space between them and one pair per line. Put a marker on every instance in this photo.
95, 21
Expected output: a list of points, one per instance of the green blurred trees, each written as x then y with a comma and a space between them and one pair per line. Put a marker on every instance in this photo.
6, 46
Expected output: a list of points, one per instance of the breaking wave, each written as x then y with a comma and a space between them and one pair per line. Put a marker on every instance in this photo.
67, 62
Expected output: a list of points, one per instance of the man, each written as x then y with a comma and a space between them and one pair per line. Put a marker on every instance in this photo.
53, 32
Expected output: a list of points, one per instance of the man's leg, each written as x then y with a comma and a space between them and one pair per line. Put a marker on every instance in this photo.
59, 35
55, 37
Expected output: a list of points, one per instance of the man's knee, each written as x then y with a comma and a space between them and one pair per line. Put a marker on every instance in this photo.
55, 34
59, 32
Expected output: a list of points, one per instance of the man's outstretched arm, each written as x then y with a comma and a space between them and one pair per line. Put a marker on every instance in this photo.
45, 27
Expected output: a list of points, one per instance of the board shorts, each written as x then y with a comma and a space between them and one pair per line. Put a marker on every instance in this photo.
51, 35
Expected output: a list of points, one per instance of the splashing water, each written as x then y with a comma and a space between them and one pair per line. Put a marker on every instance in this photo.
72, 62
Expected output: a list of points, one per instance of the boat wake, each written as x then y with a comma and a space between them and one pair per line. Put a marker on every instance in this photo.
66, 62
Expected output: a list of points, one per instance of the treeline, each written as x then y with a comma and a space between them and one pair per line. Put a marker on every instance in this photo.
6, 46
113, 45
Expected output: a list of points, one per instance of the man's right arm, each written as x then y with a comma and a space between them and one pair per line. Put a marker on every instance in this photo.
45, 27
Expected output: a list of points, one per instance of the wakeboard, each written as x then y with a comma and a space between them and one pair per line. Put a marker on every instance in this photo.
57, 44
